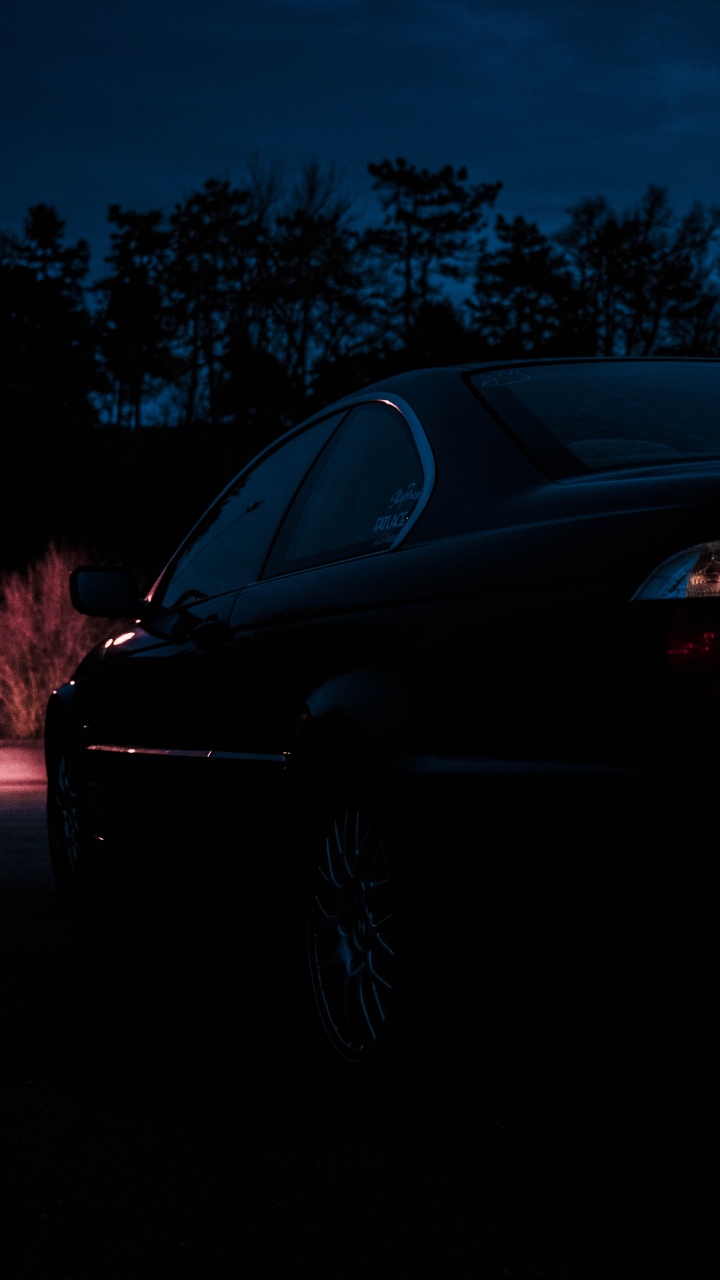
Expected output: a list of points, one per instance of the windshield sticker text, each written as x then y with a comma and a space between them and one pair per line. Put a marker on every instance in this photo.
505, 378
391, 522
411, 494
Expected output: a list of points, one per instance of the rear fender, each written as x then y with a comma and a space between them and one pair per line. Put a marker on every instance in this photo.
348, 727
366, 708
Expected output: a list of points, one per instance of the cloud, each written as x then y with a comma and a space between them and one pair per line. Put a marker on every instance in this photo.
141, 102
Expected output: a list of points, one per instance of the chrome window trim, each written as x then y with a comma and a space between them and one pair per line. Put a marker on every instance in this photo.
422, 444
427, 462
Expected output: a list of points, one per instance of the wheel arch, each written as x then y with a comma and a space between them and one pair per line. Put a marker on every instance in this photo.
58, 717
360, 713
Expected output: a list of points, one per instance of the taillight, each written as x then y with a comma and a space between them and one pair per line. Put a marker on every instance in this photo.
692, 578
691, 574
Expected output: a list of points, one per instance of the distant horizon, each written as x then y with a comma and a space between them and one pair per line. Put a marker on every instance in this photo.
98, 233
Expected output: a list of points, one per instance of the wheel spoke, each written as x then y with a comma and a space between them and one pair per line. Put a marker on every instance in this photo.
334, 858
350, 934
378, 977
367, 1015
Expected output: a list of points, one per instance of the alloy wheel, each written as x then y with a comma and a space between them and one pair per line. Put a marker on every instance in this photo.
351, 934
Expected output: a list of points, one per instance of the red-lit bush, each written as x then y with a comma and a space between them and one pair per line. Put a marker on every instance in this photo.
42, 638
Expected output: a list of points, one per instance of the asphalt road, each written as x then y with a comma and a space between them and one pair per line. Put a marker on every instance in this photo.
140, 1137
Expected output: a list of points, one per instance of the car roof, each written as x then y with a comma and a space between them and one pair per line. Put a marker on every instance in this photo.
418, 375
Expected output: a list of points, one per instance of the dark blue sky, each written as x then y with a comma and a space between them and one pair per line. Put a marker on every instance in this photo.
139, 103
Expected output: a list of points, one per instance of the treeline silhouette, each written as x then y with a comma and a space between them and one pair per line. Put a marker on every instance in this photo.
247, 307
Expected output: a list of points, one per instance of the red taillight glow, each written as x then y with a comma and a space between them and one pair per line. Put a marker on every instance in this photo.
688, 648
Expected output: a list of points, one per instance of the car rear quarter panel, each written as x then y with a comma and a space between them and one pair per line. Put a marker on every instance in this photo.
501, 641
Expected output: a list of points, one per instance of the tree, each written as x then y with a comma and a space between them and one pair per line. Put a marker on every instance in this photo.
47, 351
430, 219
524, 302
592, 243
215, 237
319, 312
639, 275
668, 287
134, 321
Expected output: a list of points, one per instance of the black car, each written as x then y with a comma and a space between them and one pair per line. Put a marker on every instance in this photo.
423, 706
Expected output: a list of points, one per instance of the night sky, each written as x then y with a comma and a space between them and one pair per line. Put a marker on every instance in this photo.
139, 103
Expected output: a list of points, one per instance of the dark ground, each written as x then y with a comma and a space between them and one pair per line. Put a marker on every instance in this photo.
141, 1137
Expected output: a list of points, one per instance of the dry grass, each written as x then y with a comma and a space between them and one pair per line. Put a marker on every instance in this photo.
42, 638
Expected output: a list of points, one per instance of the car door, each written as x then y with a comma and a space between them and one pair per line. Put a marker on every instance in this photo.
156, 705
330, 604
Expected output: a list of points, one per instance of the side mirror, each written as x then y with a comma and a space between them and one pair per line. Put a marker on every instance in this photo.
105, 593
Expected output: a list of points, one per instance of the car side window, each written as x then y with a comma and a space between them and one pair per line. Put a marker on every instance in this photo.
226, 549
357, 497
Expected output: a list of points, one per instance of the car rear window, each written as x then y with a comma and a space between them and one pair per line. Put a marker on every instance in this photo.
618, 413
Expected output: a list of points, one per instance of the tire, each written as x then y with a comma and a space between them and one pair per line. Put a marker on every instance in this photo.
351, 933
63, 823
